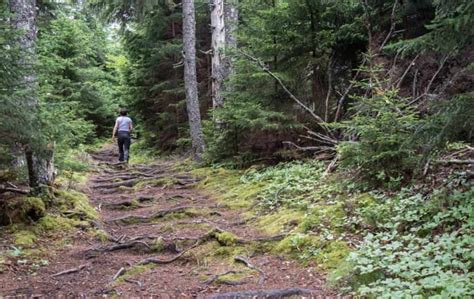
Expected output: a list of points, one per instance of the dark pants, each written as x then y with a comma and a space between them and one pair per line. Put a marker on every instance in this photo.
124, 140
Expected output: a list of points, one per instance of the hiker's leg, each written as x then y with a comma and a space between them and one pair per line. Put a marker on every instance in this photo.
126, 147
120, 141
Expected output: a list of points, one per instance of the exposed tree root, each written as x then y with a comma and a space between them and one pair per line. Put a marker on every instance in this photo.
218, 276
128, 203
168, 261
69, 271
263, 294
156, 215
251, 266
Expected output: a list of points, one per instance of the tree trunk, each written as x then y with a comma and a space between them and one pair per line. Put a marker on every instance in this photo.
190, 79
224, 19
39, 157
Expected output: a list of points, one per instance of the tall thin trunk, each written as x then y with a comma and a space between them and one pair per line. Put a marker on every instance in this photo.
224, 19
190, 78
39, 156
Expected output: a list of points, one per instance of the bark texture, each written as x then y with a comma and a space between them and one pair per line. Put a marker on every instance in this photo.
39, 158
224, 20
190, 78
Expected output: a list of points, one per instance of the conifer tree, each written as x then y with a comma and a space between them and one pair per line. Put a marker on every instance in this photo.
190, 77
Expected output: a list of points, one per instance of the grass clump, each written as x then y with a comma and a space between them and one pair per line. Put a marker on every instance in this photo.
226, 238
24, 238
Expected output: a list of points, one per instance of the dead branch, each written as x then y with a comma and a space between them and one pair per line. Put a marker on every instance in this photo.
4, 189
119, 273
139, 283
264, 68
251, 266
428, 87
392, 25
69, 271
455, 161
412, 63
281, 293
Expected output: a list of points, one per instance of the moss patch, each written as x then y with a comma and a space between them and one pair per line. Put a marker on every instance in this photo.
24, 238
52, 223
134, 271
226, 238
282, 221
76, 205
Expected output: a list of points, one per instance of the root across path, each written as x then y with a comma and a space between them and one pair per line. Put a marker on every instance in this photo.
162, 237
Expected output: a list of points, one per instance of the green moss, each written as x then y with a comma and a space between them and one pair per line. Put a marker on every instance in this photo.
297, 244
233, 277
329, 216
283, 220
135, 270
51, 223
158, 245
333, 254
226, 185
33, 208
101, 235
76, 205
24, 238
226, 238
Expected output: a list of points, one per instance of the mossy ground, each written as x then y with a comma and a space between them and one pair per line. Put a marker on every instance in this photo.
314, 230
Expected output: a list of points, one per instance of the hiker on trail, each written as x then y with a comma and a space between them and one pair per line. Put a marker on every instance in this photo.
122, 130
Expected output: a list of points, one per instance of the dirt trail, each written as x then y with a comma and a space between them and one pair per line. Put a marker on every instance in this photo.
164, 239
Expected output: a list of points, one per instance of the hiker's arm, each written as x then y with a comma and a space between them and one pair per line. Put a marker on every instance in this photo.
115, 129
131, 127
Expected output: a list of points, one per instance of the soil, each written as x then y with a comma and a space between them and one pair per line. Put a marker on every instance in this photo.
189, 244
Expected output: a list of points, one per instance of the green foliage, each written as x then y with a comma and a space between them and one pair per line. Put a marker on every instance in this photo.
76, 83
286, 184
383, 136
239, 121
422, 247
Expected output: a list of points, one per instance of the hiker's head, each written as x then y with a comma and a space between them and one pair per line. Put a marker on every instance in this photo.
123, 111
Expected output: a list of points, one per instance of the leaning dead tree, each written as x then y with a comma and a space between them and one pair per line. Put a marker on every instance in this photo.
190, 77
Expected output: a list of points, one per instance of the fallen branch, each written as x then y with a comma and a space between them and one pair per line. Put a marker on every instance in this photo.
4, 189
264, 68
69, 271
119, 273
264, 294
455, 161
134, 281
251, 266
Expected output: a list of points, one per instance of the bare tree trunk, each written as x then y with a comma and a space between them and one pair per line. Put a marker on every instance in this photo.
224, 19
39, 157
190, 78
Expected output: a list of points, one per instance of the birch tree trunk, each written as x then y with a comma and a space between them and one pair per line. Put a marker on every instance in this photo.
190, 78
224, 19
39, 156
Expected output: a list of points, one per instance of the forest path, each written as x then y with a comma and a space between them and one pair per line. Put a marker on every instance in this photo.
165, 238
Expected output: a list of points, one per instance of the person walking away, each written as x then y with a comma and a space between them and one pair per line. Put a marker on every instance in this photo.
122, 130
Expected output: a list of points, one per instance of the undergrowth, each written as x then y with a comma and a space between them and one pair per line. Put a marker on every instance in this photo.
415, 242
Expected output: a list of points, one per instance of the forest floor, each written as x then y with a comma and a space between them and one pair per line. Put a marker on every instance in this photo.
161, 236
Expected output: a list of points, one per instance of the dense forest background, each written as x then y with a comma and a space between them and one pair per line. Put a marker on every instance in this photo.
367, 105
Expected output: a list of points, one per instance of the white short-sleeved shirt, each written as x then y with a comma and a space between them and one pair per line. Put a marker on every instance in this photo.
124, 123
